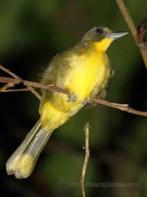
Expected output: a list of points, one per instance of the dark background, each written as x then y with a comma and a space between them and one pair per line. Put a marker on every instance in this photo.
31, 32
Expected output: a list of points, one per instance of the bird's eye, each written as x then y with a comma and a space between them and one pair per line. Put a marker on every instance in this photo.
100, 31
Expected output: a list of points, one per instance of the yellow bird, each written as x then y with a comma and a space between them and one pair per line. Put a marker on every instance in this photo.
84, 71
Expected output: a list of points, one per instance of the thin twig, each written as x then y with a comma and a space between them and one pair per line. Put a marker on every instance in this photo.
86, 159
133, 30
122, 107
14, 90
33, 91
6, 87
6, 70
50, 87
128, 18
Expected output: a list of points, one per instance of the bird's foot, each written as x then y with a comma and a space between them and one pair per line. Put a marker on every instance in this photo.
72, 98
87, 101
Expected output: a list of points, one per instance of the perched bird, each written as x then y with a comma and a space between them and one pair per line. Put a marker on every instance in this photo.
84, 71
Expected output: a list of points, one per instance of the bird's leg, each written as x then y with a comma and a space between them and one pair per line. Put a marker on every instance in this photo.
72, 98
87, 101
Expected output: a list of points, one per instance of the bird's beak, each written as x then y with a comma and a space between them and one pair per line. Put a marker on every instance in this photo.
116, 35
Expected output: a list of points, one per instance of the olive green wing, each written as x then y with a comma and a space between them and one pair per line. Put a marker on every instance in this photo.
55, 73
58, 67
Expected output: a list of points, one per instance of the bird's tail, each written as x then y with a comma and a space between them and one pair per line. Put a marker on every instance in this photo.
23, 160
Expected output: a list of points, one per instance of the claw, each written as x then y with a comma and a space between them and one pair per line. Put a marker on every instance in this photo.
72, 98
87, 101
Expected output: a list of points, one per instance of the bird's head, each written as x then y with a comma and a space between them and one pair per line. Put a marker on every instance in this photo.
102, 37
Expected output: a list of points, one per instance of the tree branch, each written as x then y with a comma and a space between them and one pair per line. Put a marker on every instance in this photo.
122, 107
14, 90
6, 70
31, 86
86, 159
49, 87
124, 11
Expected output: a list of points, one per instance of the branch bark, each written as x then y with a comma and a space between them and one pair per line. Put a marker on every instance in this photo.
86, 159
31, 85
10, 82
125, 13
12, 74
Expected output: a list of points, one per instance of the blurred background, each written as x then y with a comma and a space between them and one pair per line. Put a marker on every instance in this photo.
31, 33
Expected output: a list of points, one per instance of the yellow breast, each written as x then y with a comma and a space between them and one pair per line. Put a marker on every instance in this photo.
86, 73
